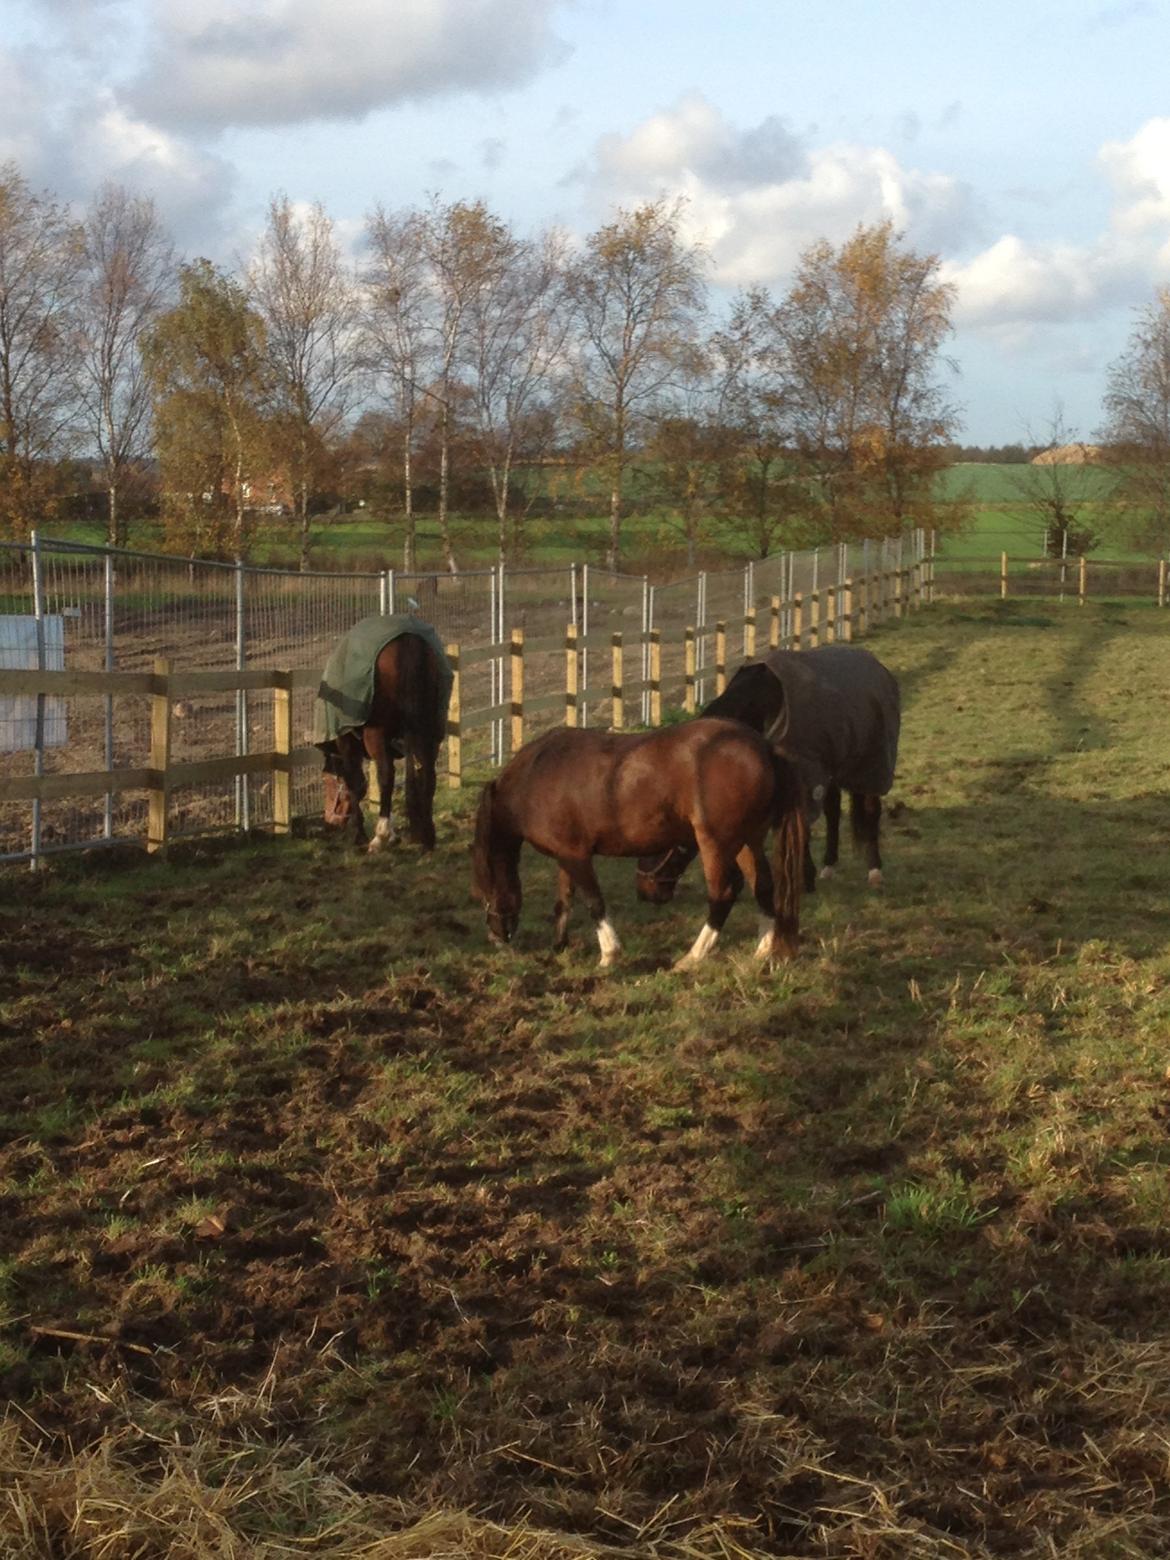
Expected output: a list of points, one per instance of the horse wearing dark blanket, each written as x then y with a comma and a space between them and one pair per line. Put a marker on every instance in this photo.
384, 695
834, 713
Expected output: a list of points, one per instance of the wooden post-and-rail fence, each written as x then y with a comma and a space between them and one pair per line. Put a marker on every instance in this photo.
162, 774
839, 613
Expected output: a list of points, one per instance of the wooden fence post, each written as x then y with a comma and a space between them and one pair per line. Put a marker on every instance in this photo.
797, 619
1003, 576
1161, 582
916, 591
282, 746
454, 718
749, 631
619, 707
847, 615
158, 797
814, 620
774, 625
689, 671
517, 658
720, 657
862, 605
655, 677
899, 606
572, 676
830, 614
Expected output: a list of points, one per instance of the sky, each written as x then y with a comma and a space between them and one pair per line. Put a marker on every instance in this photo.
1027, 144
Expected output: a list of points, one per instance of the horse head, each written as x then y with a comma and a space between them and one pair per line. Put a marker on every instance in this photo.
339, 799
657, 876
495, 870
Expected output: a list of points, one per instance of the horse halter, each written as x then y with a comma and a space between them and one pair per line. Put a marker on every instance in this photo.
657, 872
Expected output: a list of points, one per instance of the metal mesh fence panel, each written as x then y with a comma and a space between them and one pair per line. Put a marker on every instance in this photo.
610, 604
464, 609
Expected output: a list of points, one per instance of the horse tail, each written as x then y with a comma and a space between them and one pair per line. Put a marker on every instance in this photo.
788, 851
420, 702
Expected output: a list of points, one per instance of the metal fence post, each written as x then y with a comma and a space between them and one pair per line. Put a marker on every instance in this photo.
39, 732
243, 794
583, 692
108, 584
493, 671
645, 649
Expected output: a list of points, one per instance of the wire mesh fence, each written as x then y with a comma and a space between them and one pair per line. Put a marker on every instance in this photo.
72, 607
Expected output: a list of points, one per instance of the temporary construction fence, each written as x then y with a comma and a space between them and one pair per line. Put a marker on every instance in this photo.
84, 632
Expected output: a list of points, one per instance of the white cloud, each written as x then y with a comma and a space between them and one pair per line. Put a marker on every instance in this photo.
758, 197
1013, 284
213, 63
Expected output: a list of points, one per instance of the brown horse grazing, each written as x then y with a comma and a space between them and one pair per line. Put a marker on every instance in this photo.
406, 718
710, 785
834, 713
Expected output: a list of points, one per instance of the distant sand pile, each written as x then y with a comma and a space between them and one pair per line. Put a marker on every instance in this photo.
1070, 455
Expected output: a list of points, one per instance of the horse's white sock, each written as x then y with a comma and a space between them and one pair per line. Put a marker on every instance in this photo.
875, 877
383, 834
607, 940
766, 930
700, 948
827, 872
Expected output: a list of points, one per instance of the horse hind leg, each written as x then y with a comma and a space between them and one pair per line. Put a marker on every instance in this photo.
865, 817
832, 829
379, 750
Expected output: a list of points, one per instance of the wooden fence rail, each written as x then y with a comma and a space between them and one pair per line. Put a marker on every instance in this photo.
841, 613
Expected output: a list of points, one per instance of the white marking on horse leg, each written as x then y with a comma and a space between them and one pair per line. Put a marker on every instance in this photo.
700, 948
875, 877
767, 932
827, 872
607, 940
383, 834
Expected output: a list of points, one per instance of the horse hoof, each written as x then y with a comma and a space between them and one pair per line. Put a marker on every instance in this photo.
827, 872
875, 877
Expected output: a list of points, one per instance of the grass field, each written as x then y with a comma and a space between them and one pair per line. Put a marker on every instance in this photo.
325, 1228
999, 522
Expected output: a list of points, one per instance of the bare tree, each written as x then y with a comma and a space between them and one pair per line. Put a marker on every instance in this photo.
517, 322
41, 254
1058, 489
304, 294
394, 343
129, 275
638, 292
1137, 423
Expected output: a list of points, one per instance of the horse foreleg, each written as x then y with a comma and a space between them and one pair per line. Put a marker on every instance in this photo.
581, 875
377, 747
562, 909
832, 828
866, 821
349, 750
724, 881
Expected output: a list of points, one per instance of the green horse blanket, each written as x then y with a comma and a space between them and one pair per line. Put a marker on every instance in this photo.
346, 694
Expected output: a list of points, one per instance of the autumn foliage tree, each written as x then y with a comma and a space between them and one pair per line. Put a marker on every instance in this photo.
205, 359
855, 350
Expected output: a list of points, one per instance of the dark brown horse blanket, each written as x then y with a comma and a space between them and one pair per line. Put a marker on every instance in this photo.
346, 694
840, 717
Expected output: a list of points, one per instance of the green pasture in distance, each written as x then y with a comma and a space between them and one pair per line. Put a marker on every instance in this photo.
999, 522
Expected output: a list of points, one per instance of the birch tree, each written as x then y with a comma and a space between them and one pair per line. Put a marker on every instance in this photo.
637, 292
41, 256
1137, 423
128, 276
302, 291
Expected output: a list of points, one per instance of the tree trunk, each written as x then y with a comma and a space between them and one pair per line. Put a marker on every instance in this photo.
112, 539
444, 484
408, 540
